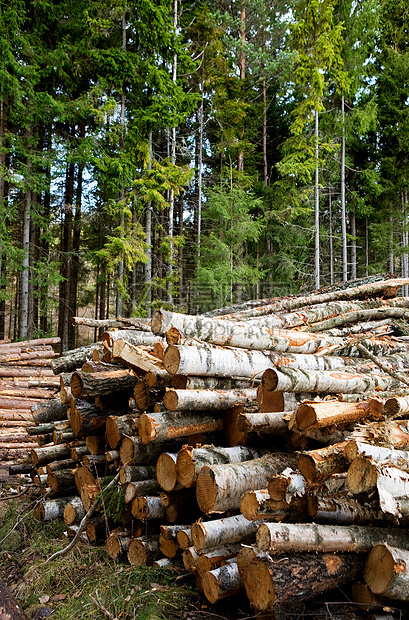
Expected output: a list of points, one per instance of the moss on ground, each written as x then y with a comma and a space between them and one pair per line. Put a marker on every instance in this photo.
85, 584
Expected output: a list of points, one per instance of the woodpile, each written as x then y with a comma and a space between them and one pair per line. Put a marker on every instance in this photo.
26, 379
267, 448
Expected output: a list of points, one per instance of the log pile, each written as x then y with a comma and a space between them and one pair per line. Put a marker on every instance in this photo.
26, 378
257, 446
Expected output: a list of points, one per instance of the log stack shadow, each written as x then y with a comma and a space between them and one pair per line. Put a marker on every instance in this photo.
263, 448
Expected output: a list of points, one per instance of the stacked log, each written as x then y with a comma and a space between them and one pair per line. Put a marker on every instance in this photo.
251, 462
26, 378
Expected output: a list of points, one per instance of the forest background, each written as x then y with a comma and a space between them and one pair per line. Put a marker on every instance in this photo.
196, 153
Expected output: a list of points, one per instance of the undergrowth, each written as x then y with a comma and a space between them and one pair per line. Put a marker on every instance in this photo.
85, 584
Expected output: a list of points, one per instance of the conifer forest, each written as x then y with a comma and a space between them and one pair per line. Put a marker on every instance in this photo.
192, 154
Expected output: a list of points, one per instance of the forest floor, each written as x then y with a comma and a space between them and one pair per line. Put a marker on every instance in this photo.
87, 584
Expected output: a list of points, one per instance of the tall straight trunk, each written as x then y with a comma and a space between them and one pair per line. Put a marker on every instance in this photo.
122, 191
148, 228
3, 115
173, 160
366, 247
343, 211
65, 269
34, 256
405, 240
331, 240
180, 256
25, 274
242, 68
75, 263
391, 253
317, 209
352, 221
44, 244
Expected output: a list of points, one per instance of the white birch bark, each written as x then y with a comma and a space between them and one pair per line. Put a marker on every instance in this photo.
221, 487
314, 537
201, 400
211, 534
295, 380
222, 582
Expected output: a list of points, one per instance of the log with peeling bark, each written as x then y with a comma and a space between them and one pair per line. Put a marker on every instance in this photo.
326, 381
387, 571
171, 425
47, 454
184, 538
142, 324
276, 580
343, 510
317, 465
327, 413
201, 400
379, 454
220, 487
314, 537
285, 486
274, 423
135, 356
191, 460
214, 558
168, 539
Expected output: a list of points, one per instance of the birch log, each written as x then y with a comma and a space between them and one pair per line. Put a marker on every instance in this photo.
221, 582
387, 572
275, 423
201, 400
190, 460
395, 407
212, 534
327, 413
171, 425
143, 550
135, 356
343, 510
316, 465
313, 537
166, 471
221, 487
285, 486
85, 385
327, 381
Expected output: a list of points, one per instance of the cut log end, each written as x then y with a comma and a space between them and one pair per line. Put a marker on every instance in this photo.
185, 467
198, 533
305, 416
361, 476
259, 587
206, 490
307, 467
170, 400
146, 428
166, 471
171, 359
379, 569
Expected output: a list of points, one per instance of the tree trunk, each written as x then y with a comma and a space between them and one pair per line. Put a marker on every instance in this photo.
277, 580
343, 510
201, 400
327, 381
212, 534
221, 582
274, 423
143, 550
191, 460
317, 465
323, 414
312, 537
51, 509
166, 426
86, 385
74, 359
220, 487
